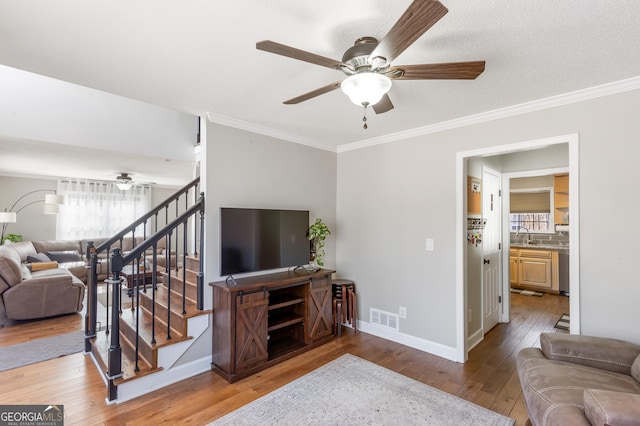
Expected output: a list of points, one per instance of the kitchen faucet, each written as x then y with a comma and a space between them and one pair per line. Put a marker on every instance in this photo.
528, 234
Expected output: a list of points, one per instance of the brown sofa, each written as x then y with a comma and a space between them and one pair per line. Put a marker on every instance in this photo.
581, 380
53, 263
29, 294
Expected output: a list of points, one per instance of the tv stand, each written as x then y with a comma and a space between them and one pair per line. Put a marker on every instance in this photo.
266, 319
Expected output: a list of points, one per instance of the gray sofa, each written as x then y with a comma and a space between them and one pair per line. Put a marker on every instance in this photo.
44, 292
581, 380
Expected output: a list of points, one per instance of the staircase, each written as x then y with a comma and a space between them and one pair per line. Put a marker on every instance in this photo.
137, 348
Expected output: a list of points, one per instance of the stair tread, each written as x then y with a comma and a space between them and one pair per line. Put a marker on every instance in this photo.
100, 349
145, 329
176, 302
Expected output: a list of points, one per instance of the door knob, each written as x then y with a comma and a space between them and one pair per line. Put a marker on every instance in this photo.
486, 261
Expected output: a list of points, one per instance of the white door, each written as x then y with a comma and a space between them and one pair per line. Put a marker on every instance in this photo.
491, 248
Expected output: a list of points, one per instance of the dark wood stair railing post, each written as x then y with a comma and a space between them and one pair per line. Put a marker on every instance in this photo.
200, 279
115, 350
91, 317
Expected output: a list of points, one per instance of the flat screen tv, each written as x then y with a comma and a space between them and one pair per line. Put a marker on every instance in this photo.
262, 239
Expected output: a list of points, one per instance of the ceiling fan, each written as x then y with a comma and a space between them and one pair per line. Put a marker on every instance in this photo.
367, 63
124, 181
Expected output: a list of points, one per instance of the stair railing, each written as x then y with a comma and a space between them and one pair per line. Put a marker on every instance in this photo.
113, 261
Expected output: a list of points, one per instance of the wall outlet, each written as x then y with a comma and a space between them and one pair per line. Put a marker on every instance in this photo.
402, 312
429, 244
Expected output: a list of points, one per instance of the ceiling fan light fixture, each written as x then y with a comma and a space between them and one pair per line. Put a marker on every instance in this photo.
123, 182
366, 87
123, 186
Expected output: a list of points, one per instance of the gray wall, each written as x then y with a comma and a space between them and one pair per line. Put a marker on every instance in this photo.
244, 169
391, 197
31, 222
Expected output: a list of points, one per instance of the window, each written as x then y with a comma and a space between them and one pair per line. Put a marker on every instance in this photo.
531, 208
97, 209
534, 222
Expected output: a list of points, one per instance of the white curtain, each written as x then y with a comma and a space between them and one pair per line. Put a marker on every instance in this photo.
97, 209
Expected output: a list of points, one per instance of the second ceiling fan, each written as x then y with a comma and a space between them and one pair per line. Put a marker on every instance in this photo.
367, 63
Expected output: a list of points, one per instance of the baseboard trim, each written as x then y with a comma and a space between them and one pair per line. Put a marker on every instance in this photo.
434, 348
474, 339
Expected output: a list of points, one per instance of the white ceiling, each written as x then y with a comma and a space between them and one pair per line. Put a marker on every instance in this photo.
199, 56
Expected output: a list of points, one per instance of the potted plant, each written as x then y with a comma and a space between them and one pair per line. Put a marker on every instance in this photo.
14, 238
317, 233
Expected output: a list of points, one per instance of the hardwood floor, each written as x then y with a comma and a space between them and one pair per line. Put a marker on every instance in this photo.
488, 379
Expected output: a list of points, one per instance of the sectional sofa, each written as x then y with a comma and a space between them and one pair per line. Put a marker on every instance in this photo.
47, 278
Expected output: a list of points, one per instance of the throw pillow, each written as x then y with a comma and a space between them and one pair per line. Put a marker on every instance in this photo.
64, 256
635, 368
26, 273
39, 257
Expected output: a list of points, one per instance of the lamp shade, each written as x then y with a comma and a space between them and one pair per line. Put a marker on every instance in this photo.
7, 217
53, 199
366, 87
51, 208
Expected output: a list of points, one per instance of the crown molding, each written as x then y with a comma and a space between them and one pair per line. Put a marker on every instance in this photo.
527, 107
551, 102
266, 131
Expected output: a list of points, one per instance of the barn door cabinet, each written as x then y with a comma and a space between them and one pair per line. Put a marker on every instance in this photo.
266, 319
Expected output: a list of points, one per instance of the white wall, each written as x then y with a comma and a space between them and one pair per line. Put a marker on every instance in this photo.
70, 114
391, 197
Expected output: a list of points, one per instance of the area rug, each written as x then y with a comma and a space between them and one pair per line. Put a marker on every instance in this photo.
41, 350
353, 391
563, 323
527, 292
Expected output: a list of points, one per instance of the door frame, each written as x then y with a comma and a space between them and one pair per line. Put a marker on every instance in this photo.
506, 244
461, 214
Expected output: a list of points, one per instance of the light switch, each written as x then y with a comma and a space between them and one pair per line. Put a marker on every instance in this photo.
429, 244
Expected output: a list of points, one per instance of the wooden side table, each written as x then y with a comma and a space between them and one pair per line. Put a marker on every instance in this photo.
344, 305
142, 278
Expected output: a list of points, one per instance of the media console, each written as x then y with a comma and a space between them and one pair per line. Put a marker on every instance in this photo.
266, 319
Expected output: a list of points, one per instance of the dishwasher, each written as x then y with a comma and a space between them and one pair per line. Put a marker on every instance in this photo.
563, 272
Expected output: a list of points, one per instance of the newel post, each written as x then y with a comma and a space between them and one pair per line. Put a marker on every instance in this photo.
115, 351
91, 317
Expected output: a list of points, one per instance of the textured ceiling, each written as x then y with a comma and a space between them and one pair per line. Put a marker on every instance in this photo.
199, 56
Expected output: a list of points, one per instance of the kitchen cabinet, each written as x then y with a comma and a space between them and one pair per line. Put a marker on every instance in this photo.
561, 199
513, 267
534, 269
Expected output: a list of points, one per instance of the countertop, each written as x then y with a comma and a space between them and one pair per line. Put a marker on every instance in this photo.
563, 249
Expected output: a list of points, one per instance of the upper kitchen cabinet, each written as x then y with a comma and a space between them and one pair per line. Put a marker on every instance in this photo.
561, 199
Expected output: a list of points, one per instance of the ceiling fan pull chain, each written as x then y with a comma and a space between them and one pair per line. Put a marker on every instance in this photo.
364, 117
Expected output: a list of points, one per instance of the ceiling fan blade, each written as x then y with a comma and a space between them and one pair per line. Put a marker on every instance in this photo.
446, 71
383, 105
292, 52
321, 91
415, 21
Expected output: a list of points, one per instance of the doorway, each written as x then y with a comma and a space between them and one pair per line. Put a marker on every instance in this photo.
532, 151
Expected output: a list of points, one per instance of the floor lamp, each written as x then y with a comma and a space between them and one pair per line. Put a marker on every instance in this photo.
51, 202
